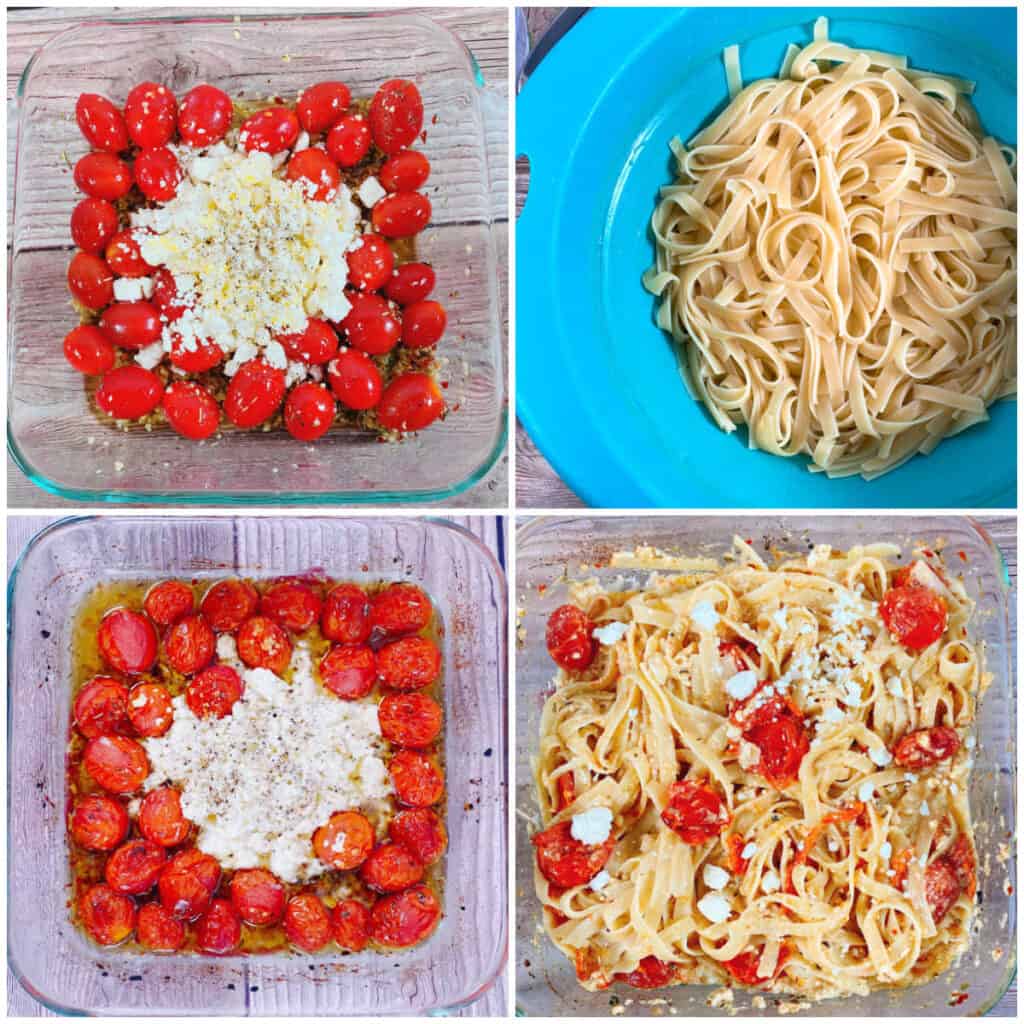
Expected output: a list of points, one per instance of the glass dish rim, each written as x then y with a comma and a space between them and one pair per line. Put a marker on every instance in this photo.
997, 571
383, 497
496, 572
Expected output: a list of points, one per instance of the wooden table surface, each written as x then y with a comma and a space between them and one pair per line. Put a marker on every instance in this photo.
483, 30
492, 530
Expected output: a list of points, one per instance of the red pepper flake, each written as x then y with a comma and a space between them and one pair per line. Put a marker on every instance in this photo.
541, 588
444, 384
963, 556
433, 120
958, 999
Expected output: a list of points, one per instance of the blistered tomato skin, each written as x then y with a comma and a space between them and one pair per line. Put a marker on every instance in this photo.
307, 923
107, 916
345, 841
89, 350
350, 920
127, 641
390, 868
291, 604
219, 930
345, 618
101, 708
570, 638
227, 604
412, 663
270, 131
262, 643
411, 401
204, 117
404, 919
184, 892
401, 608
98, 822
90, 280
93, 224
168, 601
189, 644
417, 779
116, 763
213, 692
103, 176
321, 106
158, 930
409, 719
150, 709
151, 113
420, 831
349, 670
258, 896
129, 392
101, 123
161, 819
354, 379
135, 867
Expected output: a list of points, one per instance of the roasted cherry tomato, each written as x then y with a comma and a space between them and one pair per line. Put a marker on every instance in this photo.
354, 379
915, 615
90, 280
391, 868
570, 638
191, 410
93, 224
200, 357
219, 930
349, 140
409, 664
262, 643
307, 923
409, 719
205, 116
101, 708
349, 670
649, 973
103, 176
321, 105
318, 173
405, 171
258, 896
411, 401
923, 748
292, 604
161, 819
227, 604
183, 890
417, 779
129, 392
423, 323
404, 919
401, 214
316, 344
116, 763
270, 131
131, 325
151, 112
202, 865
744, 968
961, 856
778, 732
98, 822
396, 115
371, 326
350, 921
108, 916
158, 930
308, 411
135, 866
695, 812
158, 174
941, 887
370, 263
88, 350
254, 394
565, 861
165, 295
127, 641
345, 841
421, 832
101, 123
346, 614
401, 608
411, 282
189, 644
150, 709
124, 257
214, 691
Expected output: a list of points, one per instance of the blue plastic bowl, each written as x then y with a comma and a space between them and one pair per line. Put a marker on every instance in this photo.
598, 385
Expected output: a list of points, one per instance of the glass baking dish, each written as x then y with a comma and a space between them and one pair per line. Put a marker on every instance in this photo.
549, 550
52, 432
62, 969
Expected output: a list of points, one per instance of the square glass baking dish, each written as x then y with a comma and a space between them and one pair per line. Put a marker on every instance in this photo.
52, 432
62, 969
550, 550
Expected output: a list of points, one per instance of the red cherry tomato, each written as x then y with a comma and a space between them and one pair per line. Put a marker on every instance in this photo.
90, 280
565, 861
409, 719
350, 921
780, 736
98, 822
165, 295
131, 325
346, 614
371, 326
354, 379
370, 265
391, 868
307, 923
423, 323
189, 644
396, 115
401, 214
204, 356
205, 116
213, 693
744, 968
262, 643
227, 604
202, 865
93, 224
923, 748
401, 608
941, 887
124, 256
349, 140
315, 344
321, 105
108, 916
103, 176
127, 641
116, 763
184, 892
158, 930
404, 919
87, 349
650, 973
308, 411
291, 604
160, 818
270, 131
101, 708
570, 638
258, 896
158, 174
345, 841
191, 410
420, 831
129, 392
915, 615
695, 812
411, 401
318, 171
405, 171
409, 664
417, 779
349, 670
151, 112
961, 856
411, 282
168, 601
254, 394
219, 930
101, 123
150, 709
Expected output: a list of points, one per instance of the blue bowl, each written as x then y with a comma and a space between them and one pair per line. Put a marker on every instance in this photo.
599, 387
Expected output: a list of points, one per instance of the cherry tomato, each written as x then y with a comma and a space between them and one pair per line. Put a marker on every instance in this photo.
349, 140
219, 930
135, 866
316, 344
116, 763
158, 930
161, 819
93, 224
744, 968
204, 356
411, 282
923, 748
915, 615
131, 325
321, 105
258, 896
254, 394
349, 670
165, 295
103, 176
401, 608
127, 641
417, 779
570, 638
565, 861
151, 112
183, 890
214, 691
98, 822
307, 923
88, 351
101, 123
191, 410
961, 856
317, 171
391, 868
346, 614
168, 601
370, 263
396, 115
101, 708
108, 916
411, 401
695, 812
780, 736
308, 411
421, 832
941, 888
202, 865
405, 171
291, 604
227, 604
270, 131
423, 323
205, 116
354, 379
409, 664
90, 280
371, 326
150, 709
404, 919
345, 841
401, 214
649, 973
124, 257
409, 719
158, 174
129, 392
350, 921
262, 643
189, 644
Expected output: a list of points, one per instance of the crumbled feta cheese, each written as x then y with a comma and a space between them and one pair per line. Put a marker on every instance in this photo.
132, 289
924, 809
611, 633
970, 742
600, 880
715, 907
833, 845
370, 192
880, 755
895, 687
865, 791
150, 356
592, 827
715, 877
833, 714
301, 143
742, 685
749, 756
748, 851
770, 882
704, 616
227, 649
885, 850
779, 618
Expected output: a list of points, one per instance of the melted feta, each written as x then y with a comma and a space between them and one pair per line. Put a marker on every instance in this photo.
592, 827
611, 633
